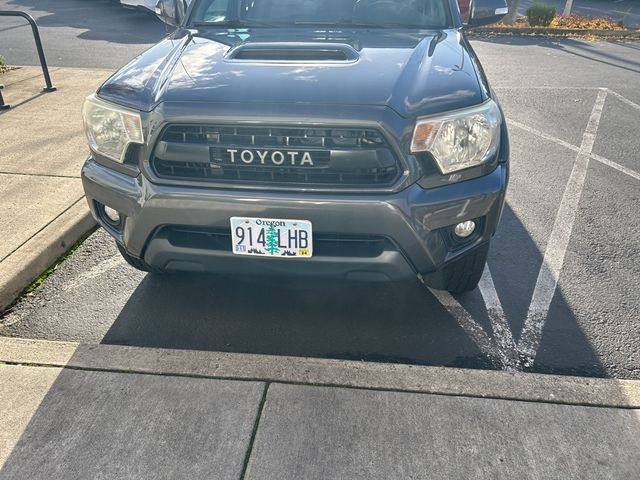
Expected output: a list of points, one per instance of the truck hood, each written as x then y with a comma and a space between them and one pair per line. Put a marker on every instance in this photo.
414, 73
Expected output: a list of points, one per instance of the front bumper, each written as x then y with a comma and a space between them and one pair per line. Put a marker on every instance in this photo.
410, 226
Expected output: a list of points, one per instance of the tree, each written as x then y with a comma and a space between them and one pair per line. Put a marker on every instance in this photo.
513, 11
567, 8
271, 244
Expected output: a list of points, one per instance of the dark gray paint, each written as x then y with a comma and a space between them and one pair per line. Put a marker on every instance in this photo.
394, 68
411, 217
390, 78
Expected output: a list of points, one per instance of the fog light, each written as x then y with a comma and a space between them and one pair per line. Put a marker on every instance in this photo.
112, 214
464, 229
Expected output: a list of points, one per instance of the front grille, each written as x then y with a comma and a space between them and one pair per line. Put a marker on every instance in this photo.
287, 156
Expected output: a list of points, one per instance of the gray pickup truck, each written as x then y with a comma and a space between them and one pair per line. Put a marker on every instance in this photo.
354, 139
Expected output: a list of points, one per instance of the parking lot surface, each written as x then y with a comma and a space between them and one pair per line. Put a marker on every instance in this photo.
560, 293
78, 33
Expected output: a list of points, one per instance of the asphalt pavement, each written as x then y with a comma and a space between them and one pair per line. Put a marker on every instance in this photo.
560, 293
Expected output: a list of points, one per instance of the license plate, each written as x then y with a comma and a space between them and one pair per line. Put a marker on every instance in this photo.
270, 237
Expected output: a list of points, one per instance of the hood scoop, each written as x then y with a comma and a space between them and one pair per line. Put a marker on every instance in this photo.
293, 53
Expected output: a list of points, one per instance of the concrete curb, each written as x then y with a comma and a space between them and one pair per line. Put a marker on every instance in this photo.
312, 371
33, 257
625, 34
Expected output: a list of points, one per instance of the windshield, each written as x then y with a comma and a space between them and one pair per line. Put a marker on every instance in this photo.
430, 14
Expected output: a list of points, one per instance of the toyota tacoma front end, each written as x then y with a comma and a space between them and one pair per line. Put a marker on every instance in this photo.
355, 138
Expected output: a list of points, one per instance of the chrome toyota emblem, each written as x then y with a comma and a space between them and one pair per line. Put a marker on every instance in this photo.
271, 157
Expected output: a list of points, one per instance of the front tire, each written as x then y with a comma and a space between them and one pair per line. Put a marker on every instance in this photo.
464, 274
136, 262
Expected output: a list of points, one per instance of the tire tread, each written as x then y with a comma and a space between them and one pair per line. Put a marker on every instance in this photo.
464, 274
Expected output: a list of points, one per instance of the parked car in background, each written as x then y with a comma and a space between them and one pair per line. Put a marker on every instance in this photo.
149, 5
356, 139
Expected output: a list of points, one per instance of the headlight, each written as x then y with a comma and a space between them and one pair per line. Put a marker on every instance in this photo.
110, 128
460, 139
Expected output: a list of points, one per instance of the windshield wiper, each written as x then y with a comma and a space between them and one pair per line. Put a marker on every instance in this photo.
342, 23
351, 23
234, 24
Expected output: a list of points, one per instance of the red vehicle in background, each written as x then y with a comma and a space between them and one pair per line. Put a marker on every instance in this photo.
464, 5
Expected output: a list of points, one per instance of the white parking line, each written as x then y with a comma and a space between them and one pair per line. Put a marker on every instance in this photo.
96, 271
501, 348
501, 332
541, 134
552, 263
469, 325
574, 148
615, 165
625, 100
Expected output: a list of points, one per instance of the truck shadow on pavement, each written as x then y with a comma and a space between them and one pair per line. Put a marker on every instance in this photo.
96, 424
397, 322
93, 424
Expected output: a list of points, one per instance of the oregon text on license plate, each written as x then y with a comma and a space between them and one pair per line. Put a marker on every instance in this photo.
271, 237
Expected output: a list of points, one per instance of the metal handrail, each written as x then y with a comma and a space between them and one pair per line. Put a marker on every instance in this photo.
36, 36
3, 106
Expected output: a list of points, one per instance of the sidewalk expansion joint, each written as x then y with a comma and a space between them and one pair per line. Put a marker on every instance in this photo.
321, 385
254, 432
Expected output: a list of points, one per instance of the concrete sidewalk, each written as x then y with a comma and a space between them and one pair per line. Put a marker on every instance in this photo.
42, 146
128, 412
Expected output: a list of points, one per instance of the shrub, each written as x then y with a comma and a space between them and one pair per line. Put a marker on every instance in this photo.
2, 61
540, 15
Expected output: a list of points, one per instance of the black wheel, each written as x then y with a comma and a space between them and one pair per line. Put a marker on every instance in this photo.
464, 274
136, 262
